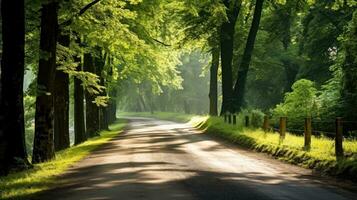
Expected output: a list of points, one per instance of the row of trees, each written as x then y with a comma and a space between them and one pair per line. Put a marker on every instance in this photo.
265, 46
260, 48
95, 51
80, 48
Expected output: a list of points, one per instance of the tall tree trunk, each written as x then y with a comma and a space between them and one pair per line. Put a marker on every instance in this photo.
43, 148
213, 101
79, 124
99, 66
112, 105
227, 41
92, 111
239, 89
12, 135
61, 103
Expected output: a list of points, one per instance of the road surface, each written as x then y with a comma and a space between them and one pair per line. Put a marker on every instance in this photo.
156, 159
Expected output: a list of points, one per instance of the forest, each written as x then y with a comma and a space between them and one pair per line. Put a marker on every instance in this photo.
68, 67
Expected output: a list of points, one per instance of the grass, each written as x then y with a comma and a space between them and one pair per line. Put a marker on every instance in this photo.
26, 184
321, 156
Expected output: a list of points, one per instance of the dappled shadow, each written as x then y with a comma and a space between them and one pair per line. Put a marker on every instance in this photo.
155, 162
111, 181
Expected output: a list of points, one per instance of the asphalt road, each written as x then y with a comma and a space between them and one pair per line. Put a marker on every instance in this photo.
158, 160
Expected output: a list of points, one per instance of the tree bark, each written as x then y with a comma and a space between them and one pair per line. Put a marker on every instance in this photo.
226, 42
43, 148
112, 106
99, 66
12, 135
111, 110
92, 111
239, 89
61, 104
213, 101
79, 124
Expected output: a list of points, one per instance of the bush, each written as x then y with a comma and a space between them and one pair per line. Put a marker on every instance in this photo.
298, 104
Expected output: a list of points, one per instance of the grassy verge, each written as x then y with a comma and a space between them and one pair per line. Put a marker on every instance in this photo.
26, 184
321, 156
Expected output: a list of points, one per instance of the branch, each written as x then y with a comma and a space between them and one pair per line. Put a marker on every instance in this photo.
81, 12
85, 8
158, 41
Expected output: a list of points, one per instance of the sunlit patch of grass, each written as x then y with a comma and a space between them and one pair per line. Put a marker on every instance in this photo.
23, 185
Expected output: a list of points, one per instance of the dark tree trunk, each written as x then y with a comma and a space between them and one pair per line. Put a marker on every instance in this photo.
112, 106
226, 42
99, 66
213, 101
12, 135
61, 104
79, 125
111, 109
92, 111
43, 148
239, 89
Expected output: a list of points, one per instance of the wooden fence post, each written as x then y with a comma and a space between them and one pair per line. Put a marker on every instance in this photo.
266, 123
234, 119
246, 121
308, 132
282, 128
229, 118
339, 138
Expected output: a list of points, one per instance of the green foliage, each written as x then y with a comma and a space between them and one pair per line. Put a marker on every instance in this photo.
189, 96
300, 103
330, 95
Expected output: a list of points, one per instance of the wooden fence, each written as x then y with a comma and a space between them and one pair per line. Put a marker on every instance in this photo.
307, 132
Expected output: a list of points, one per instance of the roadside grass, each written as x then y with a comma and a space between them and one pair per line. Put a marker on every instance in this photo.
321, 156
26, 184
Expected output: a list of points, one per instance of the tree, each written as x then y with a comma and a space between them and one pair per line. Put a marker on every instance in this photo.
239, 88
43, 149
213, 94
226, 44
13, 153
92, 111
79, 123
61, 102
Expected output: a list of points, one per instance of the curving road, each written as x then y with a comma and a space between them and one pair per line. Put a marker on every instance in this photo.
158, 160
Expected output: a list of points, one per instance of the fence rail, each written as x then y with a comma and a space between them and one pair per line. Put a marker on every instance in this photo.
339, 125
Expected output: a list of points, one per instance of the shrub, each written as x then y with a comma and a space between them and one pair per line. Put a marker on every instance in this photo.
298, 104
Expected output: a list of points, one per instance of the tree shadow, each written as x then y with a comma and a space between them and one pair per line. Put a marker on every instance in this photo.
168, 178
